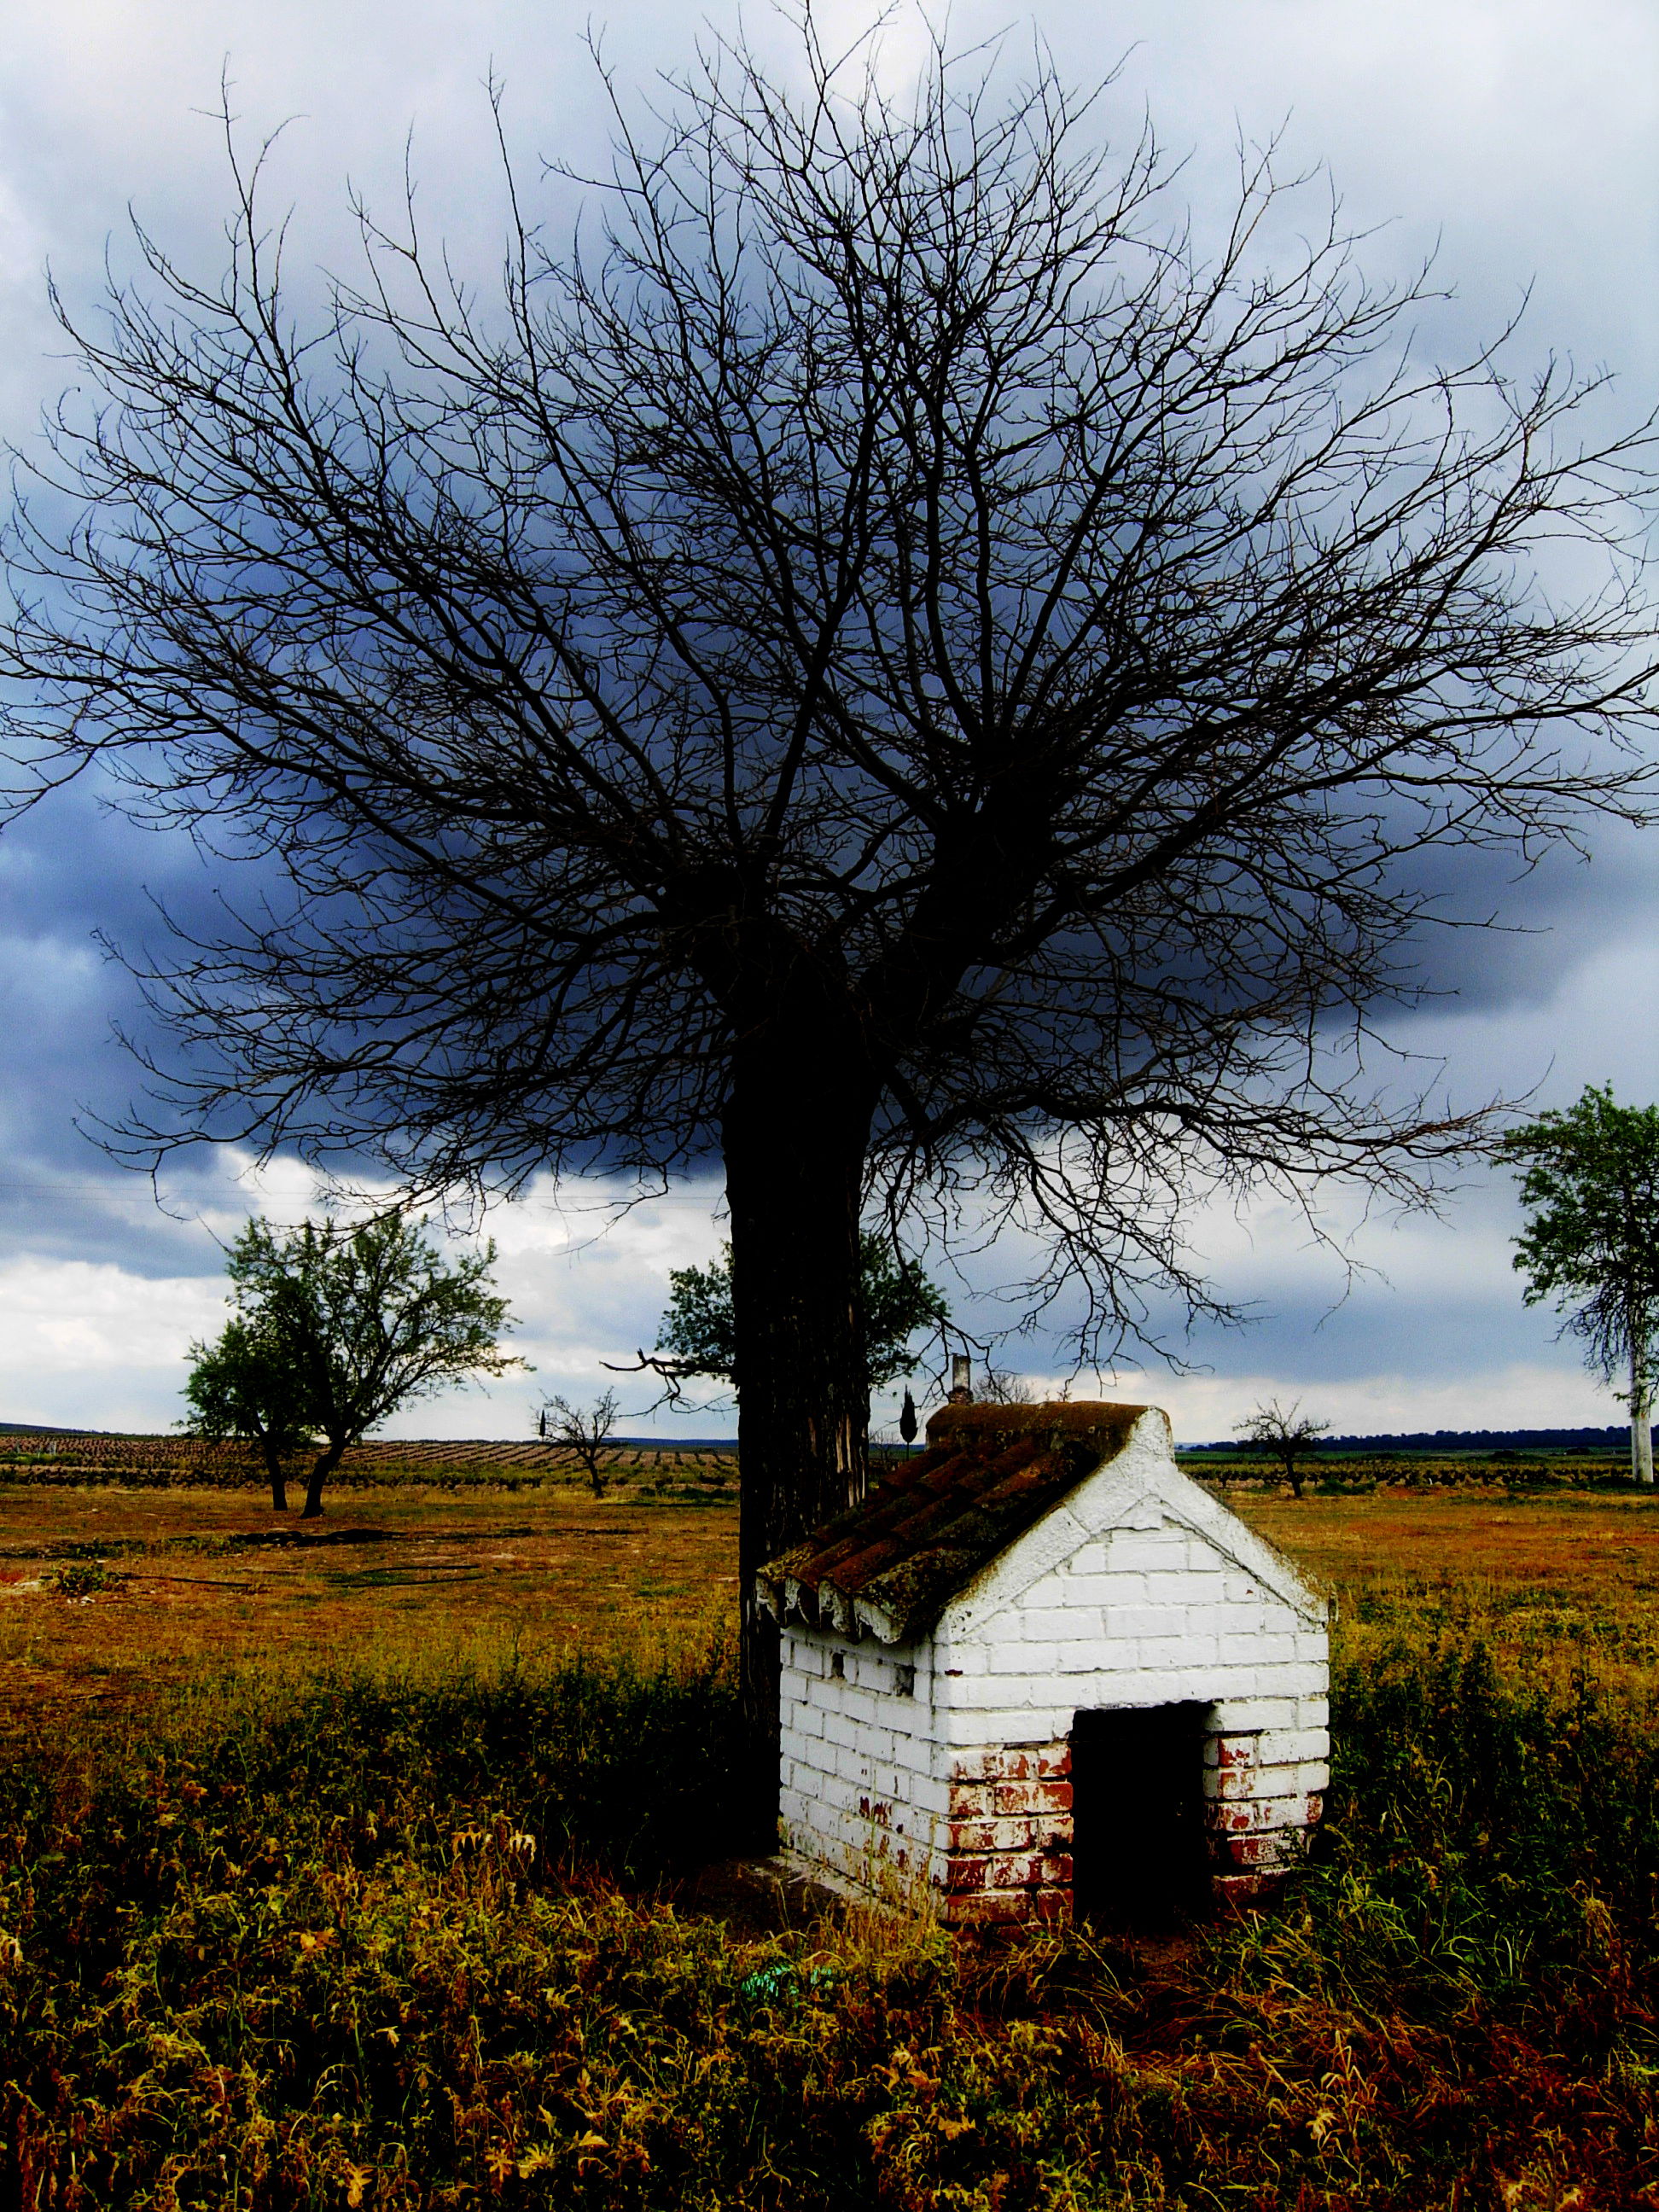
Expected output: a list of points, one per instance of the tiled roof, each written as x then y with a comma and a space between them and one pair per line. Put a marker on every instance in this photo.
894, 1562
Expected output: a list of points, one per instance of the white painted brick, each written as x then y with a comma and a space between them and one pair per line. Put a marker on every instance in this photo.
1298, 1743
1049, 1624
853, 1768
839, 1730
1089, 1559
1095, 1594
1147, 1620
1146, 1617
1147, 1551
1241, 1712
1273, 1648
1272, 1782
1238, 1650
1027, 1724
983, 1694
1206, 1617
1244, 1619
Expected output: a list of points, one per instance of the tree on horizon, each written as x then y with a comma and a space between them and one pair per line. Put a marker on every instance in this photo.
1590, 1180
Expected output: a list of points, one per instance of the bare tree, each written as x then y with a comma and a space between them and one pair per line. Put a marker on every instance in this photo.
890, 666
999, 1387
584, 1434
1285, 1433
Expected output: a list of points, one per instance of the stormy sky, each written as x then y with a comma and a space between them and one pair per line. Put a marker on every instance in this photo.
1514, 141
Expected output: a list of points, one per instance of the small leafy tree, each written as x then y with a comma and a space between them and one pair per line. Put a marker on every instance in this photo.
699, 1330
243, 1387
1285, 1433
364, 1320
1590, 1179
582, 1433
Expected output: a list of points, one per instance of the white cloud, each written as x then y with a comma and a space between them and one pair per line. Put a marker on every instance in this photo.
1207, 1408
88, 1345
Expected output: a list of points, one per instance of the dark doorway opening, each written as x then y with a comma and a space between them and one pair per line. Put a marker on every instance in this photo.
1139, 1848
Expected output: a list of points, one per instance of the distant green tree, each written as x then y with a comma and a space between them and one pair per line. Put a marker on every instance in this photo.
699, 1333
243, 1386
362, 1320
1285, 1433
1589, 1177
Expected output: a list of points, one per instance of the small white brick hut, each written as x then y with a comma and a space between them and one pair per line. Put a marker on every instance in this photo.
1039, 1668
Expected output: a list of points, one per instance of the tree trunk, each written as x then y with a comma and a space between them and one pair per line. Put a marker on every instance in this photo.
1641, 1418
278, 1480
324, 1465
794, 1136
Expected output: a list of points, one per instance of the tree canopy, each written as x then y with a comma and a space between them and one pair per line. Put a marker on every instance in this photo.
699, 1333
244, 1386
1589, 1180
341, 1324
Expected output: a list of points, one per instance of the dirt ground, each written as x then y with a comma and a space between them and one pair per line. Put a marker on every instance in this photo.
205, 1580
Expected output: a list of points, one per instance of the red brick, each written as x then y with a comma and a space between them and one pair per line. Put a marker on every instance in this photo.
1003, 1908
1052, 1904
969, 1836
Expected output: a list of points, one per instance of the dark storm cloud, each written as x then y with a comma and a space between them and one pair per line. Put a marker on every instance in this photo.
1517, 140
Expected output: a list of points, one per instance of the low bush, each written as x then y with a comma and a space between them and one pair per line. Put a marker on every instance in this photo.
396, 1945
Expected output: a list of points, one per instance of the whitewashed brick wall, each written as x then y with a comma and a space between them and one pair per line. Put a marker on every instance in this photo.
1141, 1590
860, 1789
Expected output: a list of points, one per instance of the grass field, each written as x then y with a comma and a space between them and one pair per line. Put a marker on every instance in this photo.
415, 1574
208, 1580
361, 1872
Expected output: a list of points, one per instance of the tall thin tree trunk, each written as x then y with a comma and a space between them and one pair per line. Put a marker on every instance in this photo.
324, 1466
794, 1160
278, 1480
1641, 1413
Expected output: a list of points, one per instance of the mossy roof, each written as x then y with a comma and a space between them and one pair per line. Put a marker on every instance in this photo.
926, 1530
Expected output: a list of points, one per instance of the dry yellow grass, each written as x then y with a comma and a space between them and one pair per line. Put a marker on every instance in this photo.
398, 1579
395, 1579
1551, 1580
